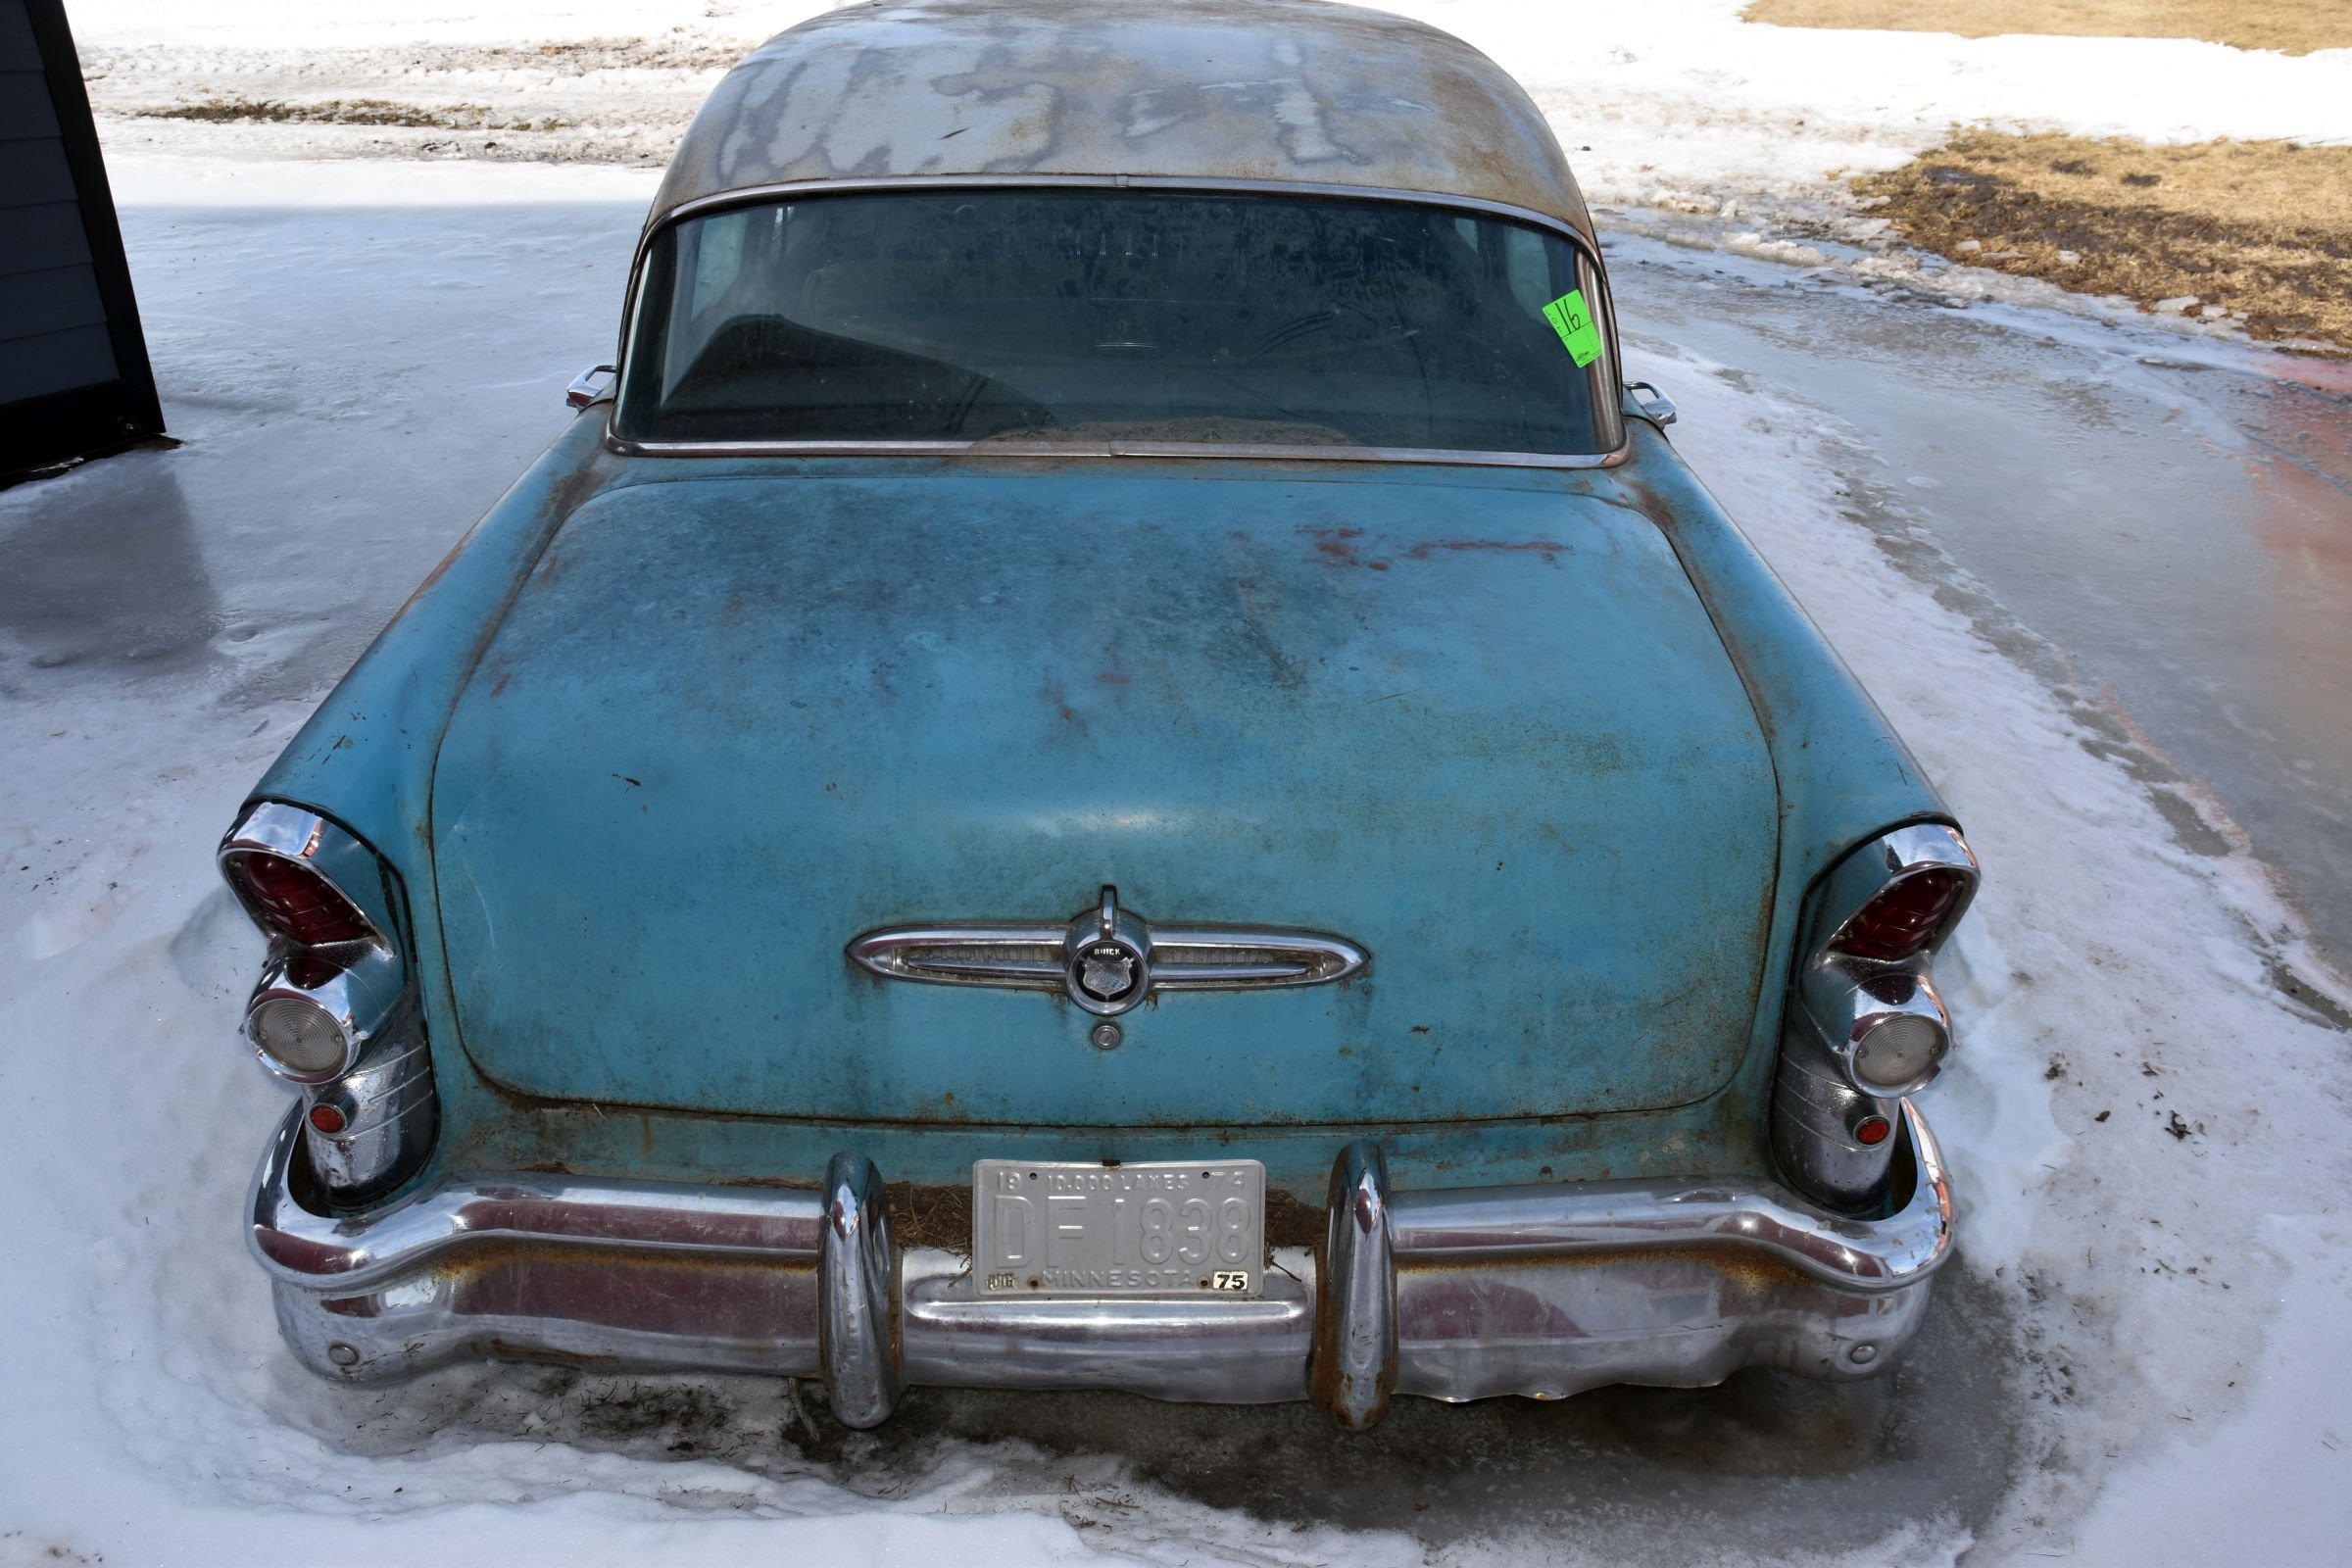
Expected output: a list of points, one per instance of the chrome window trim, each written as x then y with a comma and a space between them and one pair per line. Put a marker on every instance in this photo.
1602, 372
1271, 452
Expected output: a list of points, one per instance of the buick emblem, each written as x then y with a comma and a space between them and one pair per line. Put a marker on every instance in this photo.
1106, 962
1106, 973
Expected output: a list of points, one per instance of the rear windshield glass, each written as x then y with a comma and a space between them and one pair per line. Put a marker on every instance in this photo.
1110, 314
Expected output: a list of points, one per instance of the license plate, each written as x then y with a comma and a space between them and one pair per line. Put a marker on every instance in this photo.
1162, 1228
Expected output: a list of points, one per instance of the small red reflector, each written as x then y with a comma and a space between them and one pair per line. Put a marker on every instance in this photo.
327, 1120
1902, 918
1868, 1132
295, 901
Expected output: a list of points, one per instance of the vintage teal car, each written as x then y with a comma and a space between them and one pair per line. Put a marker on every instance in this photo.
1115, 757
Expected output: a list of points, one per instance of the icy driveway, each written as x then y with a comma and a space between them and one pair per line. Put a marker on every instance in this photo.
2141, 1127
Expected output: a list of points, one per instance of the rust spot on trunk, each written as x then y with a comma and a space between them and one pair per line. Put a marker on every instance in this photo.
1336, 546
1060, 700
1548, 549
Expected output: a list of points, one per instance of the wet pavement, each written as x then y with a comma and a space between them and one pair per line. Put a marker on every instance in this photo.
1734, 1474
2163, 520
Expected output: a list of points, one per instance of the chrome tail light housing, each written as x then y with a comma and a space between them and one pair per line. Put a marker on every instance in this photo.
1864, 1025
335, 1012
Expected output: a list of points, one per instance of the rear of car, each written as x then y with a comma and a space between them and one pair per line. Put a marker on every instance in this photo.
1140, 777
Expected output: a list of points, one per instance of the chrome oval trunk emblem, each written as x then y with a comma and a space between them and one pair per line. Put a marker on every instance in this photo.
1107, 960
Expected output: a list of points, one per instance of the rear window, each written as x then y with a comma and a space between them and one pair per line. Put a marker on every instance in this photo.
1085, 315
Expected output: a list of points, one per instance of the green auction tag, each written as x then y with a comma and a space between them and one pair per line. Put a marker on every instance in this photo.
1574, 323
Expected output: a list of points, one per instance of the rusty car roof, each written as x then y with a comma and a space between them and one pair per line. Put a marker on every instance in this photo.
1208, 92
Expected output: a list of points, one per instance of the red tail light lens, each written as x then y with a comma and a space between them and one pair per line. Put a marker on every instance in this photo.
1902, 918
294, 900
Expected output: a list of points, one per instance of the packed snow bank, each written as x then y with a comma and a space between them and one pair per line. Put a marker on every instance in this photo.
356, 379
2145, 1130
1686, 99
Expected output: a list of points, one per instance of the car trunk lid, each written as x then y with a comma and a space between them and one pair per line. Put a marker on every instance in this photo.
1474, 720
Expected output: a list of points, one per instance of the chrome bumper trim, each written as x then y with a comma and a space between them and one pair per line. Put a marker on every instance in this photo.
1450, 1295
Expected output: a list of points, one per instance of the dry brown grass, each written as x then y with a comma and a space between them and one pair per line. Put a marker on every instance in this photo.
2262, 228
354, 112
2297, 27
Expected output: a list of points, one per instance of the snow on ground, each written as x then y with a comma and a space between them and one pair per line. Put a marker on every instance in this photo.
2147, 1135
393, 357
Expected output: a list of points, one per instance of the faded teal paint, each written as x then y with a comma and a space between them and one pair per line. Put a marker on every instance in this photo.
1716, 1137
368, 758
1485, 730
1843, 773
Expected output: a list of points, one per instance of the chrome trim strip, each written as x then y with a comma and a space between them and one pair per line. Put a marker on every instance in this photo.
1214, 1350
391, 1112
331, 1252
756, 195
895, 954
1538, 1290
1602, 371
1321, 958
328, 1252
887, 952
1241, 451
1032, 955
1852, 1254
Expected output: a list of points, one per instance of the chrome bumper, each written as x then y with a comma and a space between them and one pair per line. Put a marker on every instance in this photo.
1542, 1291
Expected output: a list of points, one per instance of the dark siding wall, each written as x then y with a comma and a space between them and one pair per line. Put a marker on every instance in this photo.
73, 368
